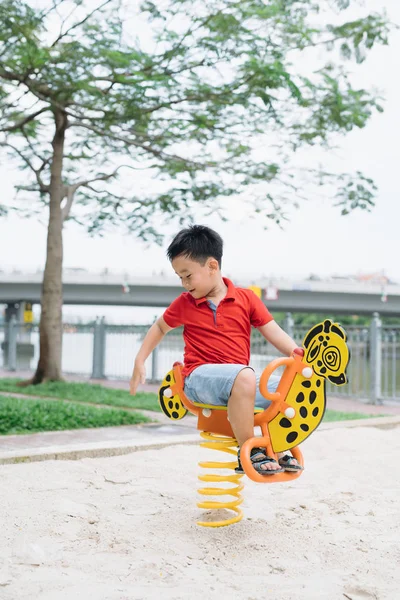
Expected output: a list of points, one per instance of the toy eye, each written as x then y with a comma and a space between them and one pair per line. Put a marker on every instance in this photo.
331, 358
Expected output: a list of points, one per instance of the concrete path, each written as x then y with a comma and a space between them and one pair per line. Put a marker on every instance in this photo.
114, 441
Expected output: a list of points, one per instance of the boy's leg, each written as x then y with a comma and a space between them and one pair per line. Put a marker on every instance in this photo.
241, 410
242, 420
234, 386
241, 405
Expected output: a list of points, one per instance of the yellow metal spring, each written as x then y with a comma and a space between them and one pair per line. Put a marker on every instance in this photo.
229, 445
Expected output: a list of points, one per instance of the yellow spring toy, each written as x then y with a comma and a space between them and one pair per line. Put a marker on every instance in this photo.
297, 408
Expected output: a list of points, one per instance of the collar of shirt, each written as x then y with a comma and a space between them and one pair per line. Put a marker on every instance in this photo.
230, 294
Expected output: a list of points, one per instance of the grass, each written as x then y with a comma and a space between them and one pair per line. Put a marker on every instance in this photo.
30, 416
22, 416
84, 392
336, 415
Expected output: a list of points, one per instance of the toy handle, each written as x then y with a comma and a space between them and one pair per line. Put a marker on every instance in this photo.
266, 374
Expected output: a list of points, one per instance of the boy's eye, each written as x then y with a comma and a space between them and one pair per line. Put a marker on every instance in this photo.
188, 276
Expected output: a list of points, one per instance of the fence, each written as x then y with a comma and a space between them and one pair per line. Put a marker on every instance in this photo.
100, 350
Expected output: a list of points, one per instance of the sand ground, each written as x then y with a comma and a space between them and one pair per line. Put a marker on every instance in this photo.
124, 528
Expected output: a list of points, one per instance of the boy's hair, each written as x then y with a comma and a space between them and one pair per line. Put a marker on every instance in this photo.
198, 243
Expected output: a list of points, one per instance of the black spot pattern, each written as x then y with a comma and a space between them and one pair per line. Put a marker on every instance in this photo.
291, 437
168, 377
303, 412
175, 415
171, 404
177, 405
313, 397
306, 411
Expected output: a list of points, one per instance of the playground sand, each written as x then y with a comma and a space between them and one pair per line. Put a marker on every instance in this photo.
125, 527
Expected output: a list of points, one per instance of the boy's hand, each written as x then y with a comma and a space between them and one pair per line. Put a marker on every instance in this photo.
299, 351
138, 376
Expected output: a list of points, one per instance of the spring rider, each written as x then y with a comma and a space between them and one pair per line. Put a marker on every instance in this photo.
297, 408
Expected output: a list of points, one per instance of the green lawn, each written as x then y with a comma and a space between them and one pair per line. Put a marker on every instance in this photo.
84, 392
22, 416
30, 416
335, 415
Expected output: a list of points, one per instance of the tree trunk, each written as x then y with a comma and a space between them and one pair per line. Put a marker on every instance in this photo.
50, 328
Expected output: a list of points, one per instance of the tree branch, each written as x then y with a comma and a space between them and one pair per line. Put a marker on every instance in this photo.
24, 121
114, 80
75, 25
130, 142
195, 98
71, 189
45, 161
42, 186
40, 90
54, 6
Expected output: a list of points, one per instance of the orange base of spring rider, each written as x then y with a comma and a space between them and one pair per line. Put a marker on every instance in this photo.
297, 408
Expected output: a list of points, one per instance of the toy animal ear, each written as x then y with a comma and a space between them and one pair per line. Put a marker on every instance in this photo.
338, 330
311, 334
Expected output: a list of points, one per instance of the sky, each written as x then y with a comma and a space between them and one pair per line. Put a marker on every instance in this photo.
317, 240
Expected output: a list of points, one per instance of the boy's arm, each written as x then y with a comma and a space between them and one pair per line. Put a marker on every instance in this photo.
278, 338
153, 337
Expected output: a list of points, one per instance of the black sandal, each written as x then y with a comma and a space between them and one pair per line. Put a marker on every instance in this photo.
285, 462
258, 458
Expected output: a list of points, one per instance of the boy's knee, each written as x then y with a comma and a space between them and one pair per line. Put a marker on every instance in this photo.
245, 382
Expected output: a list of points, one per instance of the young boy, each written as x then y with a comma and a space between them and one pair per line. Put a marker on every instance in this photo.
217, 319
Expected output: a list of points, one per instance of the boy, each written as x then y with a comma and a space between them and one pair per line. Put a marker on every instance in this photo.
217, 319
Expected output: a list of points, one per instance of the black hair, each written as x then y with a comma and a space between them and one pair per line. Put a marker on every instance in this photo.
198, 243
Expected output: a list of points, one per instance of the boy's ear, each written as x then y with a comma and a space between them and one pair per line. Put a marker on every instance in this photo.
213, 264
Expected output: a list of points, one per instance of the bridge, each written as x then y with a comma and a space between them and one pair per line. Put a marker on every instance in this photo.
330, 296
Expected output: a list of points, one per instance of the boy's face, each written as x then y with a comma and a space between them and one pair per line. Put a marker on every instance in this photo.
197, 279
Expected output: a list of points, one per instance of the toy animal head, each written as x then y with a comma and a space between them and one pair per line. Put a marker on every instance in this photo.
326, 350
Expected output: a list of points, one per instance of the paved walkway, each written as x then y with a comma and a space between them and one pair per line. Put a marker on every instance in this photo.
110, 441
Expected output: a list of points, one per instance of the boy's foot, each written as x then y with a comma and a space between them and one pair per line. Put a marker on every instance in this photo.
289, 463
261, 462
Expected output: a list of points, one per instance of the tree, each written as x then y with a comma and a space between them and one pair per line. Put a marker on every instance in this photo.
180, 90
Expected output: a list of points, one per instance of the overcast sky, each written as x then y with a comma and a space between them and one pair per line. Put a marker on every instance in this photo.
317, 240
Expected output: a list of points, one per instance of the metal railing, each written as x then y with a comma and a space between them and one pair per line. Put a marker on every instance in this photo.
99, 350
390, 384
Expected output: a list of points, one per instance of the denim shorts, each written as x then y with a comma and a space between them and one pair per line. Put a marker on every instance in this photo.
212, 384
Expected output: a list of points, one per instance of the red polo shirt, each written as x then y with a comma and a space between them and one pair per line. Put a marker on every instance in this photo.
218, 338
